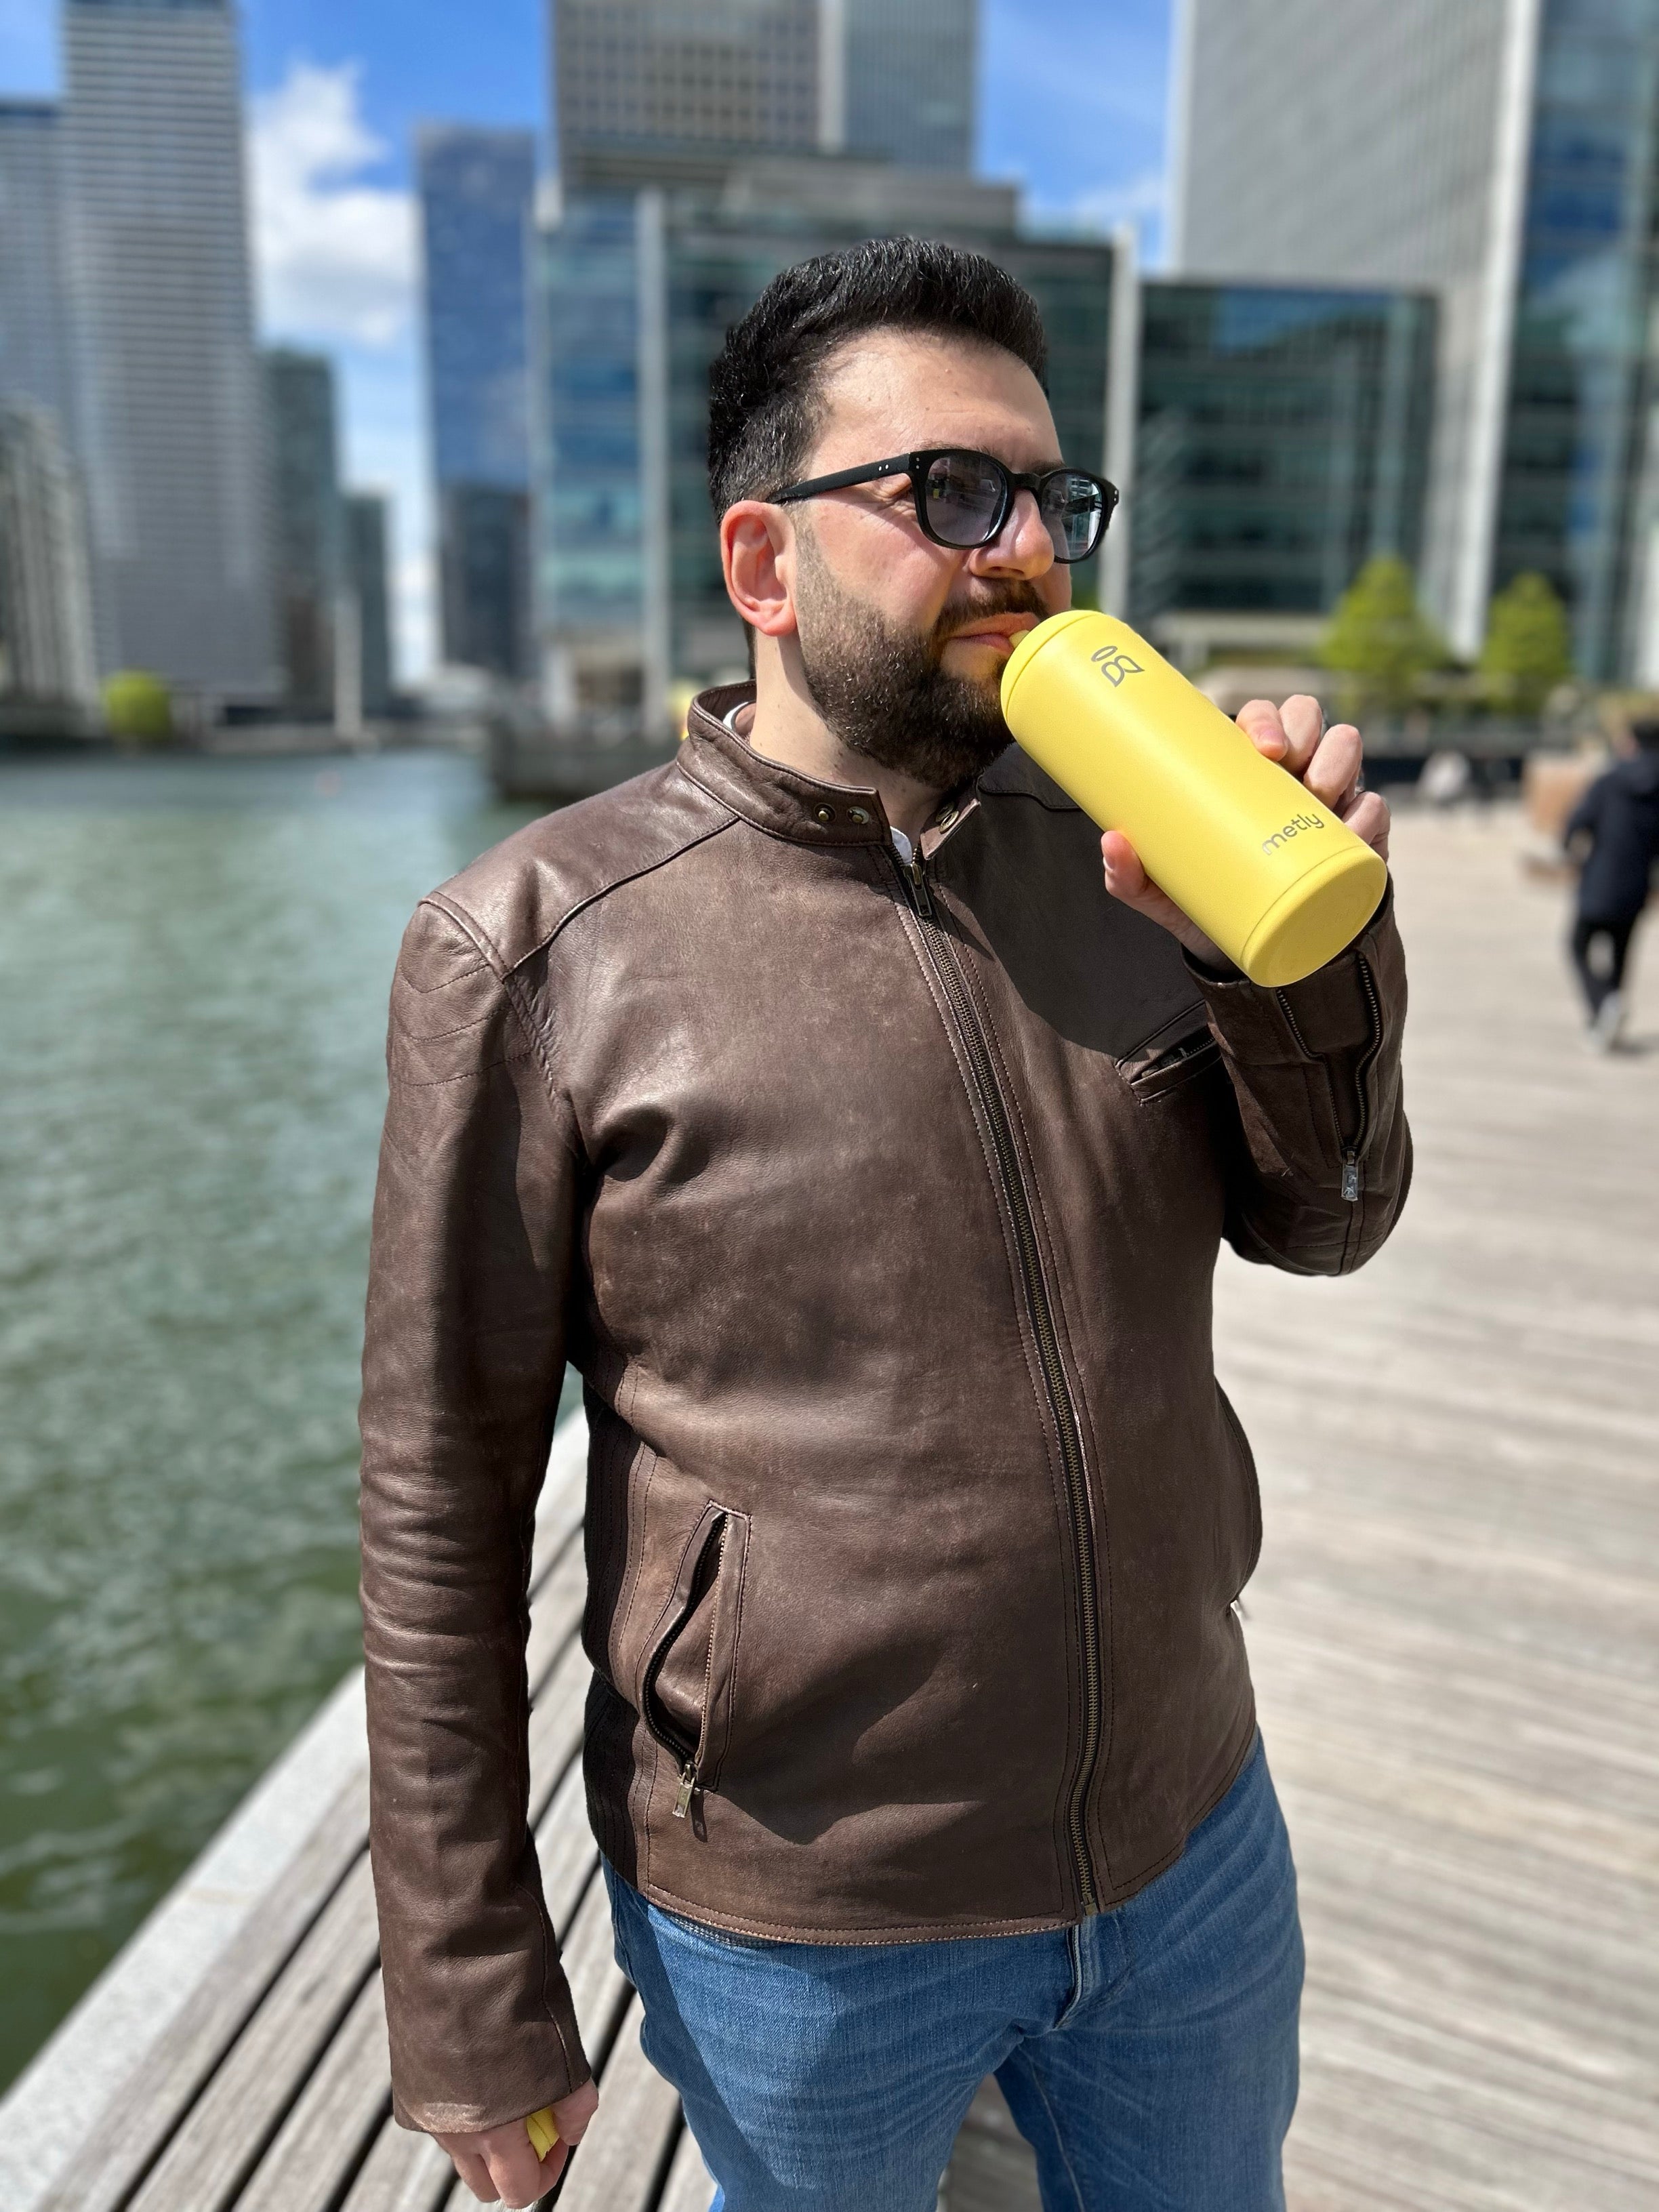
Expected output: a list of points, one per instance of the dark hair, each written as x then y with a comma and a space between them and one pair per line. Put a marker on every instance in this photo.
764, 388
1645, 730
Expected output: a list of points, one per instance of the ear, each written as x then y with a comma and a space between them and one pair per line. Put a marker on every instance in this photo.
757, 557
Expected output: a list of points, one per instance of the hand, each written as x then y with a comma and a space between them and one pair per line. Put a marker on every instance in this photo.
498, 2164
1327, 760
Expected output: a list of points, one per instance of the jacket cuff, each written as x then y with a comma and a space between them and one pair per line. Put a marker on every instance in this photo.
1328, 1012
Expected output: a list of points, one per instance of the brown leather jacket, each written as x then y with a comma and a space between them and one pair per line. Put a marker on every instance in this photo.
879, 1210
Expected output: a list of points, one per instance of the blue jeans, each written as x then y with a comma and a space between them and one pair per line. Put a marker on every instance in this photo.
1149, 2056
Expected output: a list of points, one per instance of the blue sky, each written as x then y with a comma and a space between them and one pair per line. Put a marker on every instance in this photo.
1072, 103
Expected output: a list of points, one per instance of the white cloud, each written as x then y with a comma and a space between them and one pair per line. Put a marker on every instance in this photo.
335, 255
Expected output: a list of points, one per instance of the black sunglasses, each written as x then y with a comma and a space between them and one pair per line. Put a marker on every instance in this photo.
963, 498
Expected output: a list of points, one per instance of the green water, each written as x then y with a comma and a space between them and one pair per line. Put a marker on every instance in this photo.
194, 962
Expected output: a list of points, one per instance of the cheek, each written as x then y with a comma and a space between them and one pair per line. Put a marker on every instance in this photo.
884, 560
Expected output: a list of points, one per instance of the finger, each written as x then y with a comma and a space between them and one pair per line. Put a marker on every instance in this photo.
475, 2174
1124, 877
517, 2171
1368, 819
1303, 720
1333, 773
1259, 718
574, 2112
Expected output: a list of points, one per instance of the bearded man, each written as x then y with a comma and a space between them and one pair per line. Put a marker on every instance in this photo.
869, 1156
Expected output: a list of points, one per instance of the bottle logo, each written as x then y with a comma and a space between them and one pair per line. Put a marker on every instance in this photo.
1115, 664
1298, 821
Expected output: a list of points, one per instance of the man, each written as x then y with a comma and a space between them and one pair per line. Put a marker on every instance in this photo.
1614, 830
869, 1157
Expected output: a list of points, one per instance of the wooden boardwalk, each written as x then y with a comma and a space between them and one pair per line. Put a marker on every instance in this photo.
1456, 1634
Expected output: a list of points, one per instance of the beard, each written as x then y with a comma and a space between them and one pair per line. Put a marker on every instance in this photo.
885, 692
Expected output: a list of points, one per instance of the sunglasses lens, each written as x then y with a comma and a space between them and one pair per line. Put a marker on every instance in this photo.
1074, 511
963, 497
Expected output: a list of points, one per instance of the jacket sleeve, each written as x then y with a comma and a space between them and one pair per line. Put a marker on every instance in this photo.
1322, 1158
463, 1355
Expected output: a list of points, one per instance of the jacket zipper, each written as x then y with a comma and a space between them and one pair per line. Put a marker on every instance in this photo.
1062, 1411
687, 1761
1353, 1156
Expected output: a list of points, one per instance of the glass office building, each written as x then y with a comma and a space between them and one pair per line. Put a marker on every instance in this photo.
35, 352
478, 190
909, 77
1281, 440
169, 417
1577, 490
1502, 153
308, 533
637, 292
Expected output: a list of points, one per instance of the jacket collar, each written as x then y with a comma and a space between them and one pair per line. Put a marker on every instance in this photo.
783, 800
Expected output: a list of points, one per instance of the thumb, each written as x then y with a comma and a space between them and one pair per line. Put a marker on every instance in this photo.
1125, 878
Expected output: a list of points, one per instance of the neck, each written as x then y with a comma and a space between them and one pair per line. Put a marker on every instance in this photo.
788, 728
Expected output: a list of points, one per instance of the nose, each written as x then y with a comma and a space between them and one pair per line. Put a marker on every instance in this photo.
1022, 547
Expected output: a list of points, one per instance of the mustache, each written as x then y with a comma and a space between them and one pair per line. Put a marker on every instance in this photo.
1013, 595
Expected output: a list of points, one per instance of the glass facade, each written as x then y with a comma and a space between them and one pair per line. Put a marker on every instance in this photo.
307, 525
477, 202
631, 74
1582, 366
1282, 440
909, 80
477, 207
590, 558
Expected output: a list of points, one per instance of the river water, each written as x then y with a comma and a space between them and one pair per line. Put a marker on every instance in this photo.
194, 962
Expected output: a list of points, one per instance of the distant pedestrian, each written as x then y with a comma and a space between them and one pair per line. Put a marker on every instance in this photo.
1614, 829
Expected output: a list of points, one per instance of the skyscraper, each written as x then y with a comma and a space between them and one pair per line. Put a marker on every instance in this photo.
1504, 153
632, 76
46, 653
477, 205
34, 340
308, 533
892, 80
366, 580
169, 419
908, 79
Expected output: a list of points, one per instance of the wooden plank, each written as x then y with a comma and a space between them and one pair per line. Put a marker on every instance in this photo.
403, 2172
620, 2164
321, 2141
138, 2124
687, 2188
217, 2140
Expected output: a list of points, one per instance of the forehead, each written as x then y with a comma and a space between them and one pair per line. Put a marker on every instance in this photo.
894, 391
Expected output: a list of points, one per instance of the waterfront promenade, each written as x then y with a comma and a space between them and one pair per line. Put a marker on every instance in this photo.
1455, 1629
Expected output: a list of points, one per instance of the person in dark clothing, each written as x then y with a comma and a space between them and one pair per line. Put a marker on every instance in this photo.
1614, 830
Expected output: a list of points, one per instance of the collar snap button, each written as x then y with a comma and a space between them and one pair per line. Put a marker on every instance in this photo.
947, 817
858, 814
826, 814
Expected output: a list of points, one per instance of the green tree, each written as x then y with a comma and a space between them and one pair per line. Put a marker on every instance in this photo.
1528, 649
1378, 640
138, 707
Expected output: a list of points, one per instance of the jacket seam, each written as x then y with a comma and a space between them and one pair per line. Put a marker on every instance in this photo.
503, 969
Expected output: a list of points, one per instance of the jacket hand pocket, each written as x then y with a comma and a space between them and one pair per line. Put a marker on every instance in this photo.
690, 1664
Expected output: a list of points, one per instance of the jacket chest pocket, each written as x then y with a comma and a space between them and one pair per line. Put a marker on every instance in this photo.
1155, 1073
690, 1664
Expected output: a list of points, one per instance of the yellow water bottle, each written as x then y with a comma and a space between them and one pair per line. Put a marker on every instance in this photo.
1267, 871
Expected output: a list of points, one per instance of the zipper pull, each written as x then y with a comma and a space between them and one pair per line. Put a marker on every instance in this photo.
687, 1783
918, 884
1351, 1178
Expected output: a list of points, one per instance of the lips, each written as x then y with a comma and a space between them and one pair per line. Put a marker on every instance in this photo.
994, 629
